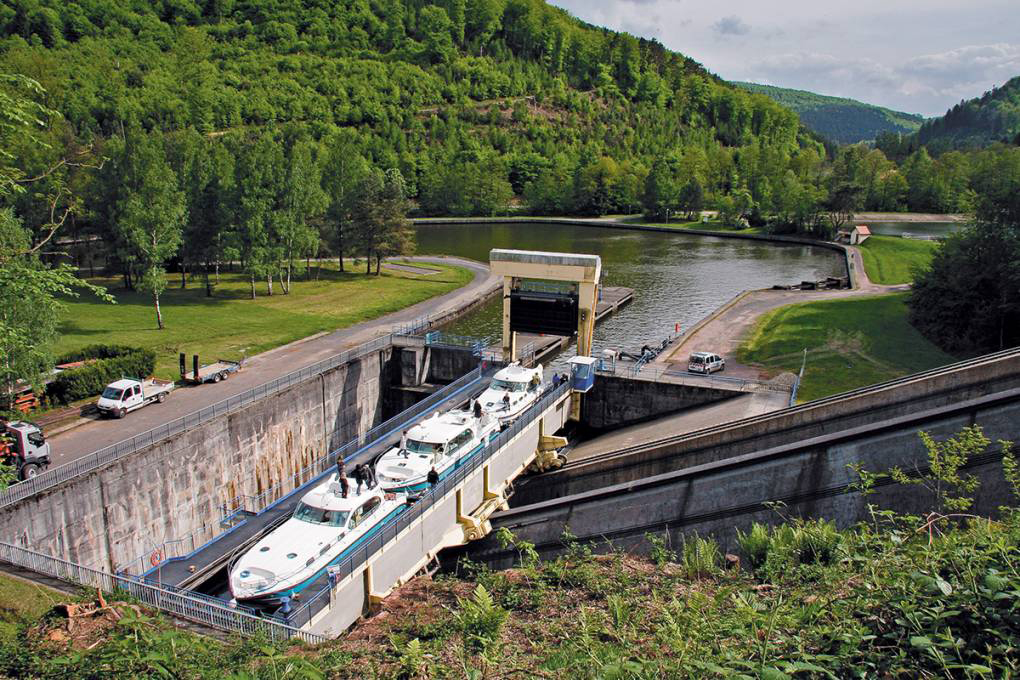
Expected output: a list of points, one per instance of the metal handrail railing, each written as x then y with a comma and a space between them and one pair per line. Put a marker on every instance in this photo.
184, 605
109, 454
352, 448
304, 614
307, 475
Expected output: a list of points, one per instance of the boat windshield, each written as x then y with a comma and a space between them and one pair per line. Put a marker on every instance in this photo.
314, 515
414, 446
508, 385
112, 393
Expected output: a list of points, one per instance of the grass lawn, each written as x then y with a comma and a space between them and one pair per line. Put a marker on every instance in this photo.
851, 343
230, 323
24, 600
891, 260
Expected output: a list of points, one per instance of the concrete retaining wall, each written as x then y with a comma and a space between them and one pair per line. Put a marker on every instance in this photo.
107, 519
814, 419
616, 401
810, 478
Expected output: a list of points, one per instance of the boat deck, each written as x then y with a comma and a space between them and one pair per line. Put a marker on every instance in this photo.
212, 556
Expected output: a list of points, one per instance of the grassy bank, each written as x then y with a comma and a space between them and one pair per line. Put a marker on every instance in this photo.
890, 260
22, 600
883, 600
851, 343
695, 224
230, 323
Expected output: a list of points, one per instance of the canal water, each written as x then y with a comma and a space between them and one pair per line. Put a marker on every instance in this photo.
677, 278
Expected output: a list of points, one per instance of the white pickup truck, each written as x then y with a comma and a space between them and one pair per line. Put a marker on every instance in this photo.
128, 394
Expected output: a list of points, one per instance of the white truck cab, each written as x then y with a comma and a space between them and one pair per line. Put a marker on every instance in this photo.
128, 394
25, 446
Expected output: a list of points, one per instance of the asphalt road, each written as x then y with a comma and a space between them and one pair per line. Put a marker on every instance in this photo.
99, 433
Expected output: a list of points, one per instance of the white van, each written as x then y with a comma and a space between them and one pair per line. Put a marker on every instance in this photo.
705, 362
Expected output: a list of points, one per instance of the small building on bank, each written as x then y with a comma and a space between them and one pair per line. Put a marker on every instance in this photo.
855, 236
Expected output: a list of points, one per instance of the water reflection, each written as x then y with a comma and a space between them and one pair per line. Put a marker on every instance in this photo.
676, 278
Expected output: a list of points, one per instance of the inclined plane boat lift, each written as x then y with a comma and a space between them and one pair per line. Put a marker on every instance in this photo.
456, 510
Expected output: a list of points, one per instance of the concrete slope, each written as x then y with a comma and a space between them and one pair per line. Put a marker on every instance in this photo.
936, 390
262, 368
742, 406
722, 480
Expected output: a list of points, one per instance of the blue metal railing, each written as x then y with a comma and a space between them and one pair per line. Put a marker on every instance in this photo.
304, 614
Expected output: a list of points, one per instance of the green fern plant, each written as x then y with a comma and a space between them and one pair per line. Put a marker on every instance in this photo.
480, 620
699, 557
754, 544
816, 541
412, 660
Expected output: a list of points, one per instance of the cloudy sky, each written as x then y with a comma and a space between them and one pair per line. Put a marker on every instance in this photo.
919, 56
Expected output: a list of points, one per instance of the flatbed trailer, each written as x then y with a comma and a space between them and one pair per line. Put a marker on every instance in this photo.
214, 372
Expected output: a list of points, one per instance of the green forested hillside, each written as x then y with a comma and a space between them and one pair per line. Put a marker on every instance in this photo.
513, 91
976, 123
846, 121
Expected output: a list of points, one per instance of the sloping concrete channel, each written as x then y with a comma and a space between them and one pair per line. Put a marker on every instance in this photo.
714, 481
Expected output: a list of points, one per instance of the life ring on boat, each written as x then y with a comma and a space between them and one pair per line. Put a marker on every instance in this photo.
156, 557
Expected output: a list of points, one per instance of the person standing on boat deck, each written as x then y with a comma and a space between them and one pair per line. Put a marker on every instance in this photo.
403, 443
345, 486
370, 476
478, 409
341, 470
433, 477
506, 401
359, 476
535, 381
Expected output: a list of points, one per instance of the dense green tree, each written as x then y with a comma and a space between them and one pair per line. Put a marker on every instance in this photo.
436, 29
30, 290
593, 186
302, 200
151, 213
345, 168
968, 301
380, 226
259, 176
662, 188
692, 198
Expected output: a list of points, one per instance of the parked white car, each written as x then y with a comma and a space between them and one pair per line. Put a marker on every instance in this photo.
705, 362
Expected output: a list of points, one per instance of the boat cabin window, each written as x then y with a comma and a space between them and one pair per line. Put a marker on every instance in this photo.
509, 385
414, 446
112, 393
314, 515
365, 510
460, 440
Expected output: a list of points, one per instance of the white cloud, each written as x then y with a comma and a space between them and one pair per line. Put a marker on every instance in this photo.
932, 81
913, 55
731, 25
